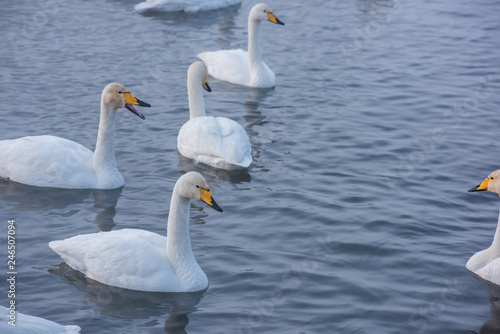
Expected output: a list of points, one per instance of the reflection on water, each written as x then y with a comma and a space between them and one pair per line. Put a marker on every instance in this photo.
491, 326
184, 304
105, 300
106, 200
377, 7
215, 174
253, 114
21, 197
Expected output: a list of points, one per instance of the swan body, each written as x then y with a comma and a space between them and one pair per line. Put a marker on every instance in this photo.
141, 260
215, 141
28, 324
486, 263
241, 67
190, 6
49, 161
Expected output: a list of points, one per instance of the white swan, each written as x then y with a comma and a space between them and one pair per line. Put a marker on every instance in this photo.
241, 67
190, 6
28, 324
216, 141
486, 263
141, 260
49, 161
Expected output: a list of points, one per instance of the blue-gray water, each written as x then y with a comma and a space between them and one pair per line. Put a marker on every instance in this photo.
354, 216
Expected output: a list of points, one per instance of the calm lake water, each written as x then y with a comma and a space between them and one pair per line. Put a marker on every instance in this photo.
354, 216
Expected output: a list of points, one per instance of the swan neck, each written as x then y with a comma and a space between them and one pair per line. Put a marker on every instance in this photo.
196, 102
179, 251
496, 238
254, 56
104, 154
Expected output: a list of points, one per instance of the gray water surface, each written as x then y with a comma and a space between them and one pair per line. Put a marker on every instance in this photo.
354, 216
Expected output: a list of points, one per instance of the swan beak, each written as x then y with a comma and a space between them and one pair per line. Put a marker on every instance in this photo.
482, 187
206, 197
271, 17
131, 100
206, 86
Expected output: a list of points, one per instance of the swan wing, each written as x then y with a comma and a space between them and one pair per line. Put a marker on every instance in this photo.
190, 6
216, 141
479, 260
129, 258
490, 271
228, 65
28, 324
47, 161
235, 145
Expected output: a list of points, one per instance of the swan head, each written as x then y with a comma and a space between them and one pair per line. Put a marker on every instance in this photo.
197, 72
193, 185
491, 183
117, 96
262, 12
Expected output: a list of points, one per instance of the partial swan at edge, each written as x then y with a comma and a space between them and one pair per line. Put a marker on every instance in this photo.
49, 161
28, 324
486, 263
189, 6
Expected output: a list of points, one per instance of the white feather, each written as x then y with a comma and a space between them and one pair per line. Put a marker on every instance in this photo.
28, 324
190, 6
49, 161
486, 263
242, 67
215, 141
141, 260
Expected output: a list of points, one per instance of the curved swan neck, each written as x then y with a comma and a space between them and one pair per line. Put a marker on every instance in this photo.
179, 249
104, 154
496, 239
254, 56
196, 102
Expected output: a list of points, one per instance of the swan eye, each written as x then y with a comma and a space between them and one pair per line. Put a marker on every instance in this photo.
197, 186
492, 177
119, 92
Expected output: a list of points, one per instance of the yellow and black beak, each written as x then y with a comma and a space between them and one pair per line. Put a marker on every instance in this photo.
131, 100
271, 17
482, 187
206, 86
206, 197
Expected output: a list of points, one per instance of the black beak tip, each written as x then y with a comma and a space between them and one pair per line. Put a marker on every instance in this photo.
142, 103
471, 190
215, 206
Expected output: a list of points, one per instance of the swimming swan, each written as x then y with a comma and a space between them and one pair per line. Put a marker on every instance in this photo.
216, 141
28, 324
49, 161
486, 263
189, 6
241, 67
141, 260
